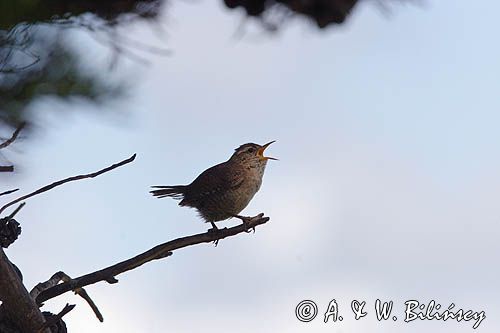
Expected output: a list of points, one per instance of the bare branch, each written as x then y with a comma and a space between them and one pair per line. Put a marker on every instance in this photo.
56, 318
160, 251
54, 280
6, 143
9, 192
13, 138
11, 216
17, 303
67, 180
83, 294
61, 276
6, 168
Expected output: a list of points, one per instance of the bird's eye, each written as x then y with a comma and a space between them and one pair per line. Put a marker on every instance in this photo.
251, 150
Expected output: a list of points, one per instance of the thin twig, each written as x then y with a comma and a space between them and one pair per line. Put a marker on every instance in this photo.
6, 168
11, 216
67, 180
53, 320
83, 294
7, 142
160, 251
9, 192
61, 276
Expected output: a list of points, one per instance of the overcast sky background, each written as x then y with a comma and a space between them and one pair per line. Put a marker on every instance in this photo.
387, 187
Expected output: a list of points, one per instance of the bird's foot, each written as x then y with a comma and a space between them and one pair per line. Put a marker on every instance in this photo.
214, 232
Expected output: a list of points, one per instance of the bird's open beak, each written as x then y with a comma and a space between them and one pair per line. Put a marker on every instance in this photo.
260, 152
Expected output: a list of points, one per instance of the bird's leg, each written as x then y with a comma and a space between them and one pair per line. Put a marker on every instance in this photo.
214, 231
246, 221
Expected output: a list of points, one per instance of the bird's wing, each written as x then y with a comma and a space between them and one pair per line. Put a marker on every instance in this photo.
213, 182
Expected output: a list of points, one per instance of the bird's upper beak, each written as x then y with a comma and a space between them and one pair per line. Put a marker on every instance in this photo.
260, 152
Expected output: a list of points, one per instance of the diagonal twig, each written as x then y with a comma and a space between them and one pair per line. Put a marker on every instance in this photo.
11, 216
7, 142
83, 294
67, 180
6, 168
54, 319
61, 276
9, 192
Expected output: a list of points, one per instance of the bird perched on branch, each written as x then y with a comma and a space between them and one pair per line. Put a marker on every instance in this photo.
224, 190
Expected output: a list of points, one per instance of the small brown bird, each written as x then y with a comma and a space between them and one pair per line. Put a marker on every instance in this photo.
224, 190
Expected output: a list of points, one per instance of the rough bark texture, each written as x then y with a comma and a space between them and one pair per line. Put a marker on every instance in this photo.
18, 305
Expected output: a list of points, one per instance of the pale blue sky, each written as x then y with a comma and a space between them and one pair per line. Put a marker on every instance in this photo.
387, 184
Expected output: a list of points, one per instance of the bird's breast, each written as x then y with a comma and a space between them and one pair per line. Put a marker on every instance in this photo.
250, 185
233, 200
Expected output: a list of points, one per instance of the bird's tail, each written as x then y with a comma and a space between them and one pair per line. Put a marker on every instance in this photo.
176, 192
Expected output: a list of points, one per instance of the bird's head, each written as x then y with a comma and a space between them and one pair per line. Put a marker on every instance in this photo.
251, 153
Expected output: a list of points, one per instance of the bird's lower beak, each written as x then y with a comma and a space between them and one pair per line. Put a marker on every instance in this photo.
260, 152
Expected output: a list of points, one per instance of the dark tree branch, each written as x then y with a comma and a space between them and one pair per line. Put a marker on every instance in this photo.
6, 143
6, 168
9, 192
160, 251
61, 276
11, 216
56, 318
67, 180
83, 294
18, 305
54, 280
13, 138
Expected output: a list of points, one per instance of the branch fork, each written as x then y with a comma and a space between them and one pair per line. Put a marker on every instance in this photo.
60, 282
